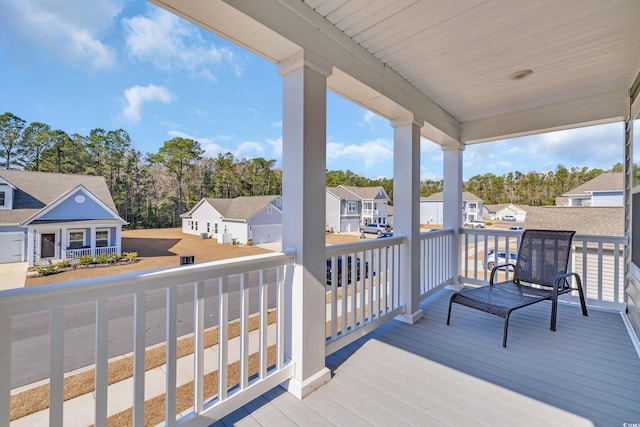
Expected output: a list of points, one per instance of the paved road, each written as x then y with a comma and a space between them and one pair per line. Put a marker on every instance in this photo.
30, 334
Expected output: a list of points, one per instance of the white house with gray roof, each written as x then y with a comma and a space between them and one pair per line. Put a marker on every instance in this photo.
606, 189
47, 217
349, 207
255, 218
431, 208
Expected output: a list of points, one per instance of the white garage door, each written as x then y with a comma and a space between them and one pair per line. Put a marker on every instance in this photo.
10, 247
266, 233
349, 225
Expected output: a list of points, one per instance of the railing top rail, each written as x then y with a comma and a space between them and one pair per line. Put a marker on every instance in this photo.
363, 245
436, 232
579, 237
36, 298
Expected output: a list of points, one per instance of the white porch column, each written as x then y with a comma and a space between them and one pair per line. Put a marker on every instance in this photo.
303, 214
118, 239
452, 206
406, 211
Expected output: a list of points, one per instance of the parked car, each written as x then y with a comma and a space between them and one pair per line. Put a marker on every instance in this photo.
474, 224
501, 259
375, 228
508, 218
338, 270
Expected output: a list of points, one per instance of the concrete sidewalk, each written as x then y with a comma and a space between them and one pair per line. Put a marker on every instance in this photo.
12, 275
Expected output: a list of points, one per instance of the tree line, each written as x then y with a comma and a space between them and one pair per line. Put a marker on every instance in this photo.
154, 189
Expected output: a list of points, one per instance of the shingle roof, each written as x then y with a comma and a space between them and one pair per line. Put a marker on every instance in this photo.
438, 197
342, 194
608, 181
365, 193
242, 208
584, 220
37, 190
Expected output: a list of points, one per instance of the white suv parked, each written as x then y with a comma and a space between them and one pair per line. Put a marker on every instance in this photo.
501, 259
375, 228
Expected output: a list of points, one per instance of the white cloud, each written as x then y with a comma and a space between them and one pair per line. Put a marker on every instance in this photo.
171, 44
276, 148
370, 153
136, 96
67, 29
370, 118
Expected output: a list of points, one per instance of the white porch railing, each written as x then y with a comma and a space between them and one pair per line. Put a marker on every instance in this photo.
363, 288
435, 261
359, 299
598, 259
202, 297
74, 254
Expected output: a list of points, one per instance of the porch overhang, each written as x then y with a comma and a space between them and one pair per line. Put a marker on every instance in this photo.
449, 65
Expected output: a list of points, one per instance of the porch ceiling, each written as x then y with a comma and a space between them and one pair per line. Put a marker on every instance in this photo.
449, 63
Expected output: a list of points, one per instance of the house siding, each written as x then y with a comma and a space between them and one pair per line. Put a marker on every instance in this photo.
590, 280
203, 214
69, 209
613, 198
333, 211
431, 212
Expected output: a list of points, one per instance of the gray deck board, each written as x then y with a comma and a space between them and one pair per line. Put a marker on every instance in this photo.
585, 373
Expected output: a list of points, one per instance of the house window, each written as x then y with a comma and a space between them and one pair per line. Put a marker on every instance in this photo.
192, 225
76, 239
2, 199
352, 206
102, 238
208, 227
215, 228
196, 225
269, 210
279, 202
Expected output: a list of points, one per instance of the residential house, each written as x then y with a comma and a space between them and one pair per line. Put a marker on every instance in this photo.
347, 207
502, 210
590, 220
343, 210
255, 218
375, 202
606, 189
431, 208
47, 217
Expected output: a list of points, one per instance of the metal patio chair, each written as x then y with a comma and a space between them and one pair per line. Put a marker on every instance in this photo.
540, 274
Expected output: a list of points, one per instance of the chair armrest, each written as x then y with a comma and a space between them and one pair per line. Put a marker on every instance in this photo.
561, 277
495, 269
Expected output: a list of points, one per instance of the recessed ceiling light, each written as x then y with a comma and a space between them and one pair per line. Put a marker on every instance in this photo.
520, 75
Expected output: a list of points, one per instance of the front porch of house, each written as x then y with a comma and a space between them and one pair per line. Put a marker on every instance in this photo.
433, 374
50, 242
382, 370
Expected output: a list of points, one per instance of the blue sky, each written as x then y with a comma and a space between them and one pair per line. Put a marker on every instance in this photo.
78, 65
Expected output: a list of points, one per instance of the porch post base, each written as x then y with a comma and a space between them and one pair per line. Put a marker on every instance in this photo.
411, 318
455, 286
300, 389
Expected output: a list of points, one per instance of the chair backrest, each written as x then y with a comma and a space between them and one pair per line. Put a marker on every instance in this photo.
543, 255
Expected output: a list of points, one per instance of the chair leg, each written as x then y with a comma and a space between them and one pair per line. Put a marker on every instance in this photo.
506, 328
581, 293
449, 314
554, 313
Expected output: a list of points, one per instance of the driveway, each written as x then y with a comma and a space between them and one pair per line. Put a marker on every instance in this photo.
12, 275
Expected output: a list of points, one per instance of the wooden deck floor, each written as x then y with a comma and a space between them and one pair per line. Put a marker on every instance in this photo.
585, 373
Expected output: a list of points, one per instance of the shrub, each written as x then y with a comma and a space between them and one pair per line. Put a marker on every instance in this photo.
489, 223
85, 259
103, 259
130, 256
45, 271
114, 257
63, 264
